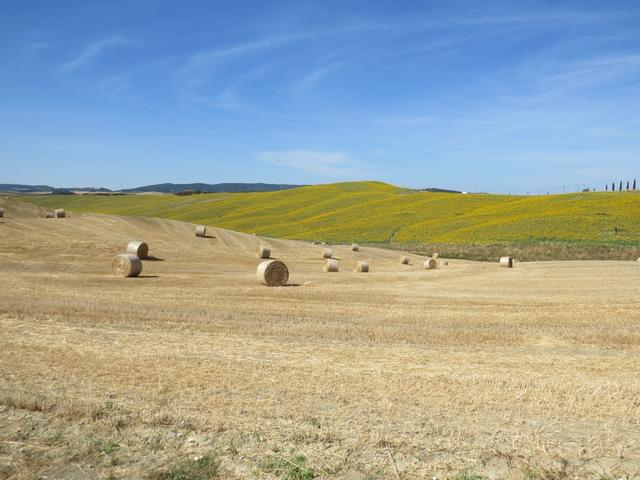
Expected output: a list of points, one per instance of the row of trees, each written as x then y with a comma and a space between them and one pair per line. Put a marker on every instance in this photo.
613, 186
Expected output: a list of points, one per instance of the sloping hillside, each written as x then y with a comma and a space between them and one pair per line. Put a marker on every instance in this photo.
382, 213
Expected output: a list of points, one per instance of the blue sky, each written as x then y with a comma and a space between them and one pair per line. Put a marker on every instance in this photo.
520, 96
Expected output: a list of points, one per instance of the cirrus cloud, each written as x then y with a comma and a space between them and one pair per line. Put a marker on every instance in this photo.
95, 48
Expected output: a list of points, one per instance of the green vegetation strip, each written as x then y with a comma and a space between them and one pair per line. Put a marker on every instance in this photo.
373, 212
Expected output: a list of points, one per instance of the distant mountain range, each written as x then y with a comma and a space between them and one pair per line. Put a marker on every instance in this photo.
161, 188
209, 188
173, 188
16, 188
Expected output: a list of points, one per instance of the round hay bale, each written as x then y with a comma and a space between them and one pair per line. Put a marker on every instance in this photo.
506, 262
139, 249
1, 212
355, 247
201, 231
126, 265
315, 242
434, 255
264, 252
404, 260
272, 273
445, 263
327, 253
59, 213
331, 265
361, 267
430, 263
50, 214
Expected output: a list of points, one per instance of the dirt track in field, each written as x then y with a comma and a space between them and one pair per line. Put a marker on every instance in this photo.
400, 369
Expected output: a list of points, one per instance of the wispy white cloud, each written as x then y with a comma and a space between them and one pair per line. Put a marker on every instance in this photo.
336, 165
32, 49
94, 49
199, 65
545, 18
313, 79
526, 21
228, 99
592, 71
113, 85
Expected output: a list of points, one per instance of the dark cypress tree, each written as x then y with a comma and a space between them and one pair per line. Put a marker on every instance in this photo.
634, 183
627, 185
606, 187
620, 189
613, 186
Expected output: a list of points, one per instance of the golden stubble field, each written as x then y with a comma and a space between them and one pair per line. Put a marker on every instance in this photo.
404, 373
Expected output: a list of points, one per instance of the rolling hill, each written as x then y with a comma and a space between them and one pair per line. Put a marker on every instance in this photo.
374, 212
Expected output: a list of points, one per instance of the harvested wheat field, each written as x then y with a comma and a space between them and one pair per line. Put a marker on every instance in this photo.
530, 372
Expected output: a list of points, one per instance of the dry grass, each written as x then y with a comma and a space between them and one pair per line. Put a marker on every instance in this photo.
513, 372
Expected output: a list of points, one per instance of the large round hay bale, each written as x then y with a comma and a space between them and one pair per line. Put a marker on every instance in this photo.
315, 242
430, 263
327, 253
264, 252
139, 249
355, 247
361, 267
445, 263
201, 231
50, 214
404, 260
1, 212
331, 265
506, 262
273, 273
59, 213
126, 265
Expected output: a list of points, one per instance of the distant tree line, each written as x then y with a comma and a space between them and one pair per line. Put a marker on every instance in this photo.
613, 186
